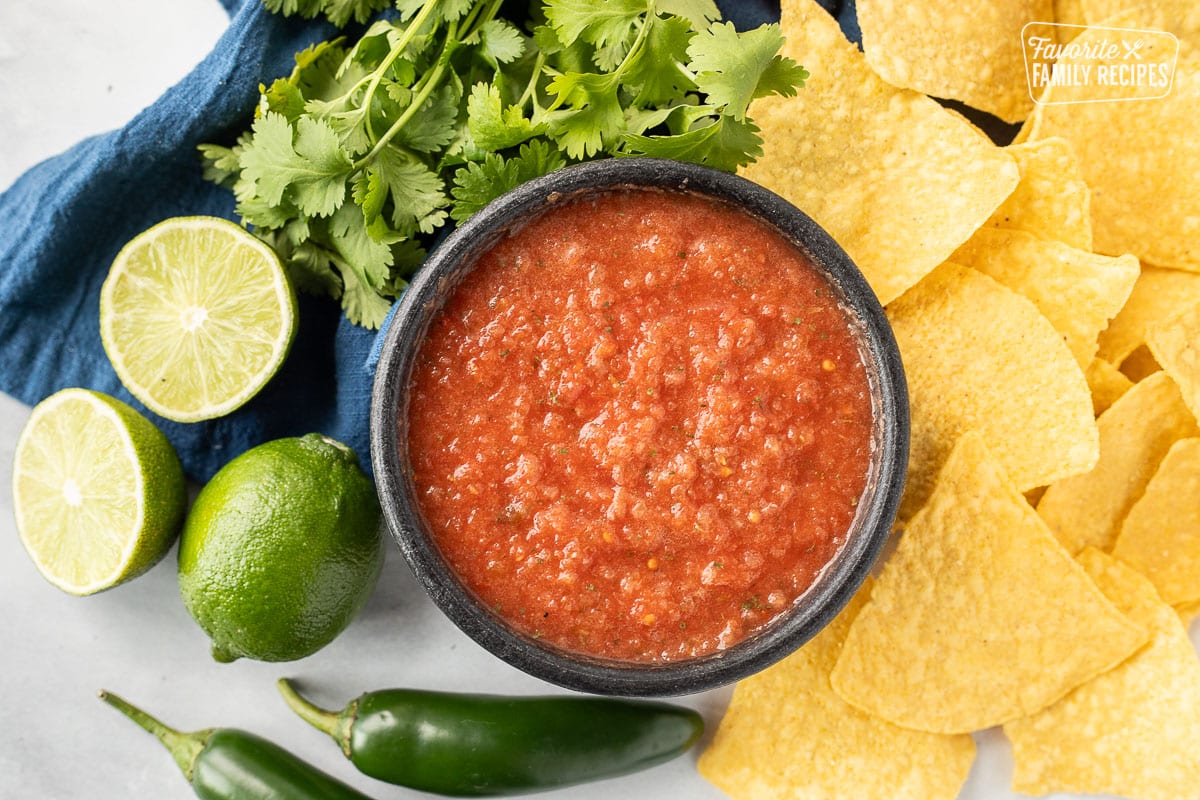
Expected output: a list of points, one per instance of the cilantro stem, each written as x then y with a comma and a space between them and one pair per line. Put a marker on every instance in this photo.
397, 50
472, 22
635, 49
631, 56
433, 79
530, 93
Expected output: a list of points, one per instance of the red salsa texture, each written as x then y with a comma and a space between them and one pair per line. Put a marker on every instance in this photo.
641, 426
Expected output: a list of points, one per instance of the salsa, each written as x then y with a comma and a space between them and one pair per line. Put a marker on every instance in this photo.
641, 426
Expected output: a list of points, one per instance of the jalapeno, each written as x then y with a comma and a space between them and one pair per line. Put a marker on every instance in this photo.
471, 745
231, 764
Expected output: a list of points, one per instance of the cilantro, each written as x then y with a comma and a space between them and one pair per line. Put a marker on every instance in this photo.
478, 183
339, 12
734, 68
358, 157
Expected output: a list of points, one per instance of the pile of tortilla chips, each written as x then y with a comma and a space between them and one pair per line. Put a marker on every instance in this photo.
1045, 296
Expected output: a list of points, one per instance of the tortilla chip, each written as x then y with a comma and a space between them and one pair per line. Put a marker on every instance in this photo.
1133, 731
1140, 158
1078, 291
896, 179
1135, 434
1069, 12
980, 617
980, 356
968, 50
1187, 613
1140, 364
787, 734
1175, 343
1159, 294
1106, 383
1160, 537
1051, 201
1178, 17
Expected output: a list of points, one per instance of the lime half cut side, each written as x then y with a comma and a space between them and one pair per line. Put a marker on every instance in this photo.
196, 316
98, 491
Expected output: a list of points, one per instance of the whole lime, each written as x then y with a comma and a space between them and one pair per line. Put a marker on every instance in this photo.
281, 549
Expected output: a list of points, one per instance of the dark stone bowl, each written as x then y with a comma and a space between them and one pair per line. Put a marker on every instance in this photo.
437, 279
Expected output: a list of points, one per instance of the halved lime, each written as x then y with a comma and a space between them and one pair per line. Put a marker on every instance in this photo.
98, 491
196, 316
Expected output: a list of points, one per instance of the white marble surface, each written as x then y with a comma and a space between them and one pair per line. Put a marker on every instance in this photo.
69, 69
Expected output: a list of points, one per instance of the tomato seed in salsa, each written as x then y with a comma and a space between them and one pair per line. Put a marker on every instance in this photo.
641, 426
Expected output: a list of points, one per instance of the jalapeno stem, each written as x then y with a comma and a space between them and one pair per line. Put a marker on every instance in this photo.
184, 747
320, 718
337, 724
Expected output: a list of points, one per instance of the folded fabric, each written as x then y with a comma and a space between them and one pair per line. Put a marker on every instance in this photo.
64, 220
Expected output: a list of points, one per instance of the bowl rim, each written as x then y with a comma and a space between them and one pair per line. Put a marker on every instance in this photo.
835, 585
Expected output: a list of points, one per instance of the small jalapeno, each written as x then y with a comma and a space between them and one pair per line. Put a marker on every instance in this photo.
472, 745
231, 764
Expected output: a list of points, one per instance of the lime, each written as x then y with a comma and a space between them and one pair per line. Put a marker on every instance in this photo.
196, 315
97, 489
281, 549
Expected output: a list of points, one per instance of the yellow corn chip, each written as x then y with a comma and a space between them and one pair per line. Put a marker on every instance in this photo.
1159, 294
787, 734
1107, 383
980, 356
968, 50
1076, 290
980, 617
1135, 433
1178, 17
1188, 612
1069, 12
1175, 343
1140, 364
1139, 156
1133, 731
898, 180
1161, 535
1051, 201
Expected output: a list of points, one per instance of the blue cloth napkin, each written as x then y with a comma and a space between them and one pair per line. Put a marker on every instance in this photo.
64, 220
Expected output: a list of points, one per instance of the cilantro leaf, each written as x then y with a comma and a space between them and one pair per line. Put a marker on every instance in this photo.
222, 165
309, 265
284, 97
416, 192
697, 12
500, 42
492, 126
660, 77
602, 23
367, 258
479, 183
433, 126
725, 144
339, 12
306, 162
363, 304
594, 116
444, 10
734, 68
255, 210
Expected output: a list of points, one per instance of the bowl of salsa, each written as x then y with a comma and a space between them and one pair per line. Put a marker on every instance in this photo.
639, 427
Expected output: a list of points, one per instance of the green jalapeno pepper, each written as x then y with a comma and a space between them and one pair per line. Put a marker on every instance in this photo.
230, 764
483, 745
